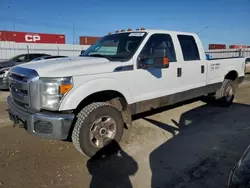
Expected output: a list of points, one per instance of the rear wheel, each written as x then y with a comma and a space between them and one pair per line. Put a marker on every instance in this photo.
96, 125
226, 94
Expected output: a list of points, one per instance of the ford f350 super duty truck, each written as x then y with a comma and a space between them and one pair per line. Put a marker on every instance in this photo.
91, 98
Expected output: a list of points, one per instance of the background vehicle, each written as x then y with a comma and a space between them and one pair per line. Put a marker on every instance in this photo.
82, 51
247, 65
19, 59
122, 74
239, 175
47, 57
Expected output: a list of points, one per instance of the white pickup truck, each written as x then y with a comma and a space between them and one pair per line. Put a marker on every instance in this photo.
91, 98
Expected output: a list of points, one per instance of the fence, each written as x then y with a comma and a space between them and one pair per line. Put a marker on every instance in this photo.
245, 52
10, 49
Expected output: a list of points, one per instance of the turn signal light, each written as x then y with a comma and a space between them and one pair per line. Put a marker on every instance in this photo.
165, 61
65, 88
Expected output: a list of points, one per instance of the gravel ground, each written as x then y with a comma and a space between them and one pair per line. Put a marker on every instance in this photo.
193, 145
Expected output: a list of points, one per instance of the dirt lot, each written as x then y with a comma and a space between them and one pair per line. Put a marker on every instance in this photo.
193, 145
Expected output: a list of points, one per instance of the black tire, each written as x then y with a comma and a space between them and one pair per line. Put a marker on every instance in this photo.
86, 117
210, 99
223, 99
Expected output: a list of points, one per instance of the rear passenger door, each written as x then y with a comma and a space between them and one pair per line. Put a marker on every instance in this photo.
193, 67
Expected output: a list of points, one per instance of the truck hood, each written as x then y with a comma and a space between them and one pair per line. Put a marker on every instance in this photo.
71, 66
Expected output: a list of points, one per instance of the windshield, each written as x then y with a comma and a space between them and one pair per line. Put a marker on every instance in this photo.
115, 47
16, 57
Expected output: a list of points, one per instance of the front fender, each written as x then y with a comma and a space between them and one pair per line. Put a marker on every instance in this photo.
78, 94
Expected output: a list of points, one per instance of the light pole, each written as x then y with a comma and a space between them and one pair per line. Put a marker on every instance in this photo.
73, 37
202, 30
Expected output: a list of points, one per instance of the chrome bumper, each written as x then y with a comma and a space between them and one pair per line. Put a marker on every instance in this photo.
4, 83
49, 125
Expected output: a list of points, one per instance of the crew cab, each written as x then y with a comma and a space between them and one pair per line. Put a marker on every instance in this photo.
91, 98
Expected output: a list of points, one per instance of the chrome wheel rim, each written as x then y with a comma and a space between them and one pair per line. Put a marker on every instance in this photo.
229, 93
102, 131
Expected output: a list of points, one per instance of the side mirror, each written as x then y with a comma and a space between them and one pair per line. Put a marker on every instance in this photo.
159, 53
144, 61
160, 59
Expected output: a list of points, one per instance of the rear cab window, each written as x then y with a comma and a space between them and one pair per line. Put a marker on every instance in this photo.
189, 48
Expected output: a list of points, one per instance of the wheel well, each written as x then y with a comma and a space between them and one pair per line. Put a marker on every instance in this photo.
114, 98
232, 75
104, 96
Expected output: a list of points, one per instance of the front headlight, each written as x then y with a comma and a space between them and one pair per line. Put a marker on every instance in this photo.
53, 90
4, 72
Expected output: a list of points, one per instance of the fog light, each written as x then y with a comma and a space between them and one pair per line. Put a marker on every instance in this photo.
43, 127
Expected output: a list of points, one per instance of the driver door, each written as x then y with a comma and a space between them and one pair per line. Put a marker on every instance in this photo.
157, 86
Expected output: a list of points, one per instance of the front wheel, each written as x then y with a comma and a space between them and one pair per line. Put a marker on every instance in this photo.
97, 124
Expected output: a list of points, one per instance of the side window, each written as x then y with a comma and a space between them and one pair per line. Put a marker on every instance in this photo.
27, 58
158, 41
189, 48
21, 59
33, 56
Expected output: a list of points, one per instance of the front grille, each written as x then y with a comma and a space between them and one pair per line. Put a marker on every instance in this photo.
20, 103
24, 88
18, 77
19, 89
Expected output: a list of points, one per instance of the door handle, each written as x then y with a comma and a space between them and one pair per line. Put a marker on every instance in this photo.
179, 72
202, 69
